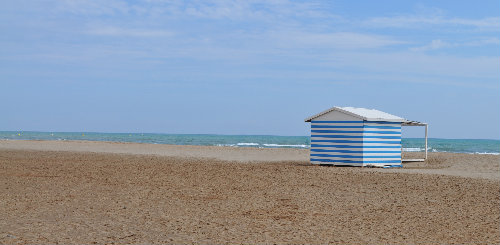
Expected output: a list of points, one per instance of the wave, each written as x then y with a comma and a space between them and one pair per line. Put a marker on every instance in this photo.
486, 153
414, 149
247, 144
443, 151
238, 144
232, 145
418, 149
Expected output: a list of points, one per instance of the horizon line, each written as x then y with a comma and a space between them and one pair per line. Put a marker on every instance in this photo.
220, 134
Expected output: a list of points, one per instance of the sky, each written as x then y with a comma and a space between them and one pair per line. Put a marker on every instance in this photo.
247, 67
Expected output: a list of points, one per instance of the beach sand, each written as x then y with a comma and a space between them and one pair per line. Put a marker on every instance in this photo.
99, 192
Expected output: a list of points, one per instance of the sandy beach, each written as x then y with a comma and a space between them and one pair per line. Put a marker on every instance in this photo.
99, 192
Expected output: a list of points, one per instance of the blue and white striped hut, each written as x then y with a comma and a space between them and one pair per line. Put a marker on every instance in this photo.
351, 136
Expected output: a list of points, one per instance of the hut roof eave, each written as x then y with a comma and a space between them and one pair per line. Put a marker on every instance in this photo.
361, 113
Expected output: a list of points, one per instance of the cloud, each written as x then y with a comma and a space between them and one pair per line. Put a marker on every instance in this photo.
206, 9
439, 44
484, 41
334, 40
415, 21
263, 10
117, 31
417, 67
234, 38
435, 44
84, 7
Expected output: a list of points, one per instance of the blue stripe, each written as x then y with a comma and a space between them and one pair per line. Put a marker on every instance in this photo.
328, 126
359, 131
336, 121
348, 151
356, 146
335, 131
349, 141
357, 137
350, 156
341, 146
343, 141
349, 161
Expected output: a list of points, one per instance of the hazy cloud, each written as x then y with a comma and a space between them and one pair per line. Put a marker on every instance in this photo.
117, 31
439, 44
210, 9
415, 21
333, 40
84, 7
435, 44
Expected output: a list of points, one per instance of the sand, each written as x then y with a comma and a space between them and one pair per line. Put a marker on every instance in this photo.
215, 152
464, 165
92, 192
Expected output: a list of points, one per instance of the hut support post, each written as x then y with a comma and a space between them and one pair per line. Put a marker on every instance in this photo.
426, 130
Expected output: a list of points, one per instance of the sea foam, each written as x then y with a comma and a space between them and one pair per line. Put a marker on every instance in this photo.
247, 144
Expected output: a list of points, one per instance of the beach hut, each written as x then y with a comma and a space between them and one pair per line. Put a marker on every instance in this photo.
349, 136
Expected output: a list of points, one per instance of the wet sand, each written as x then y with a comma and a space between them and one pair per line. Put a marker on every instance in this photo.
192, 194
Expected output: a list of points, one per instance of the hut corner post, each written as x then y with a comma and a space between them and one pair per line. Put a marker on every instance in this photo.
426, 130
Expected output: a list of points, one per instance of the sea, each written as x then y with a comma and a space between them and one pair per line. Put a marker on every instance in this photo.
471, 146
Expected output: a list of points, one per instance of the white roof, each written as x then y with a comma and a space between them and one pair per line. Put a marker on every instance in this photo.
362, 113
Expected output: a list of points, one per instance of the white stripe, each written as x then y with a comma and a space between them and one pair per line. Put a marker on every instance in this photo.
339, 153
322, 137
360, 158
382, 144
359, 129
394, 151
379, 134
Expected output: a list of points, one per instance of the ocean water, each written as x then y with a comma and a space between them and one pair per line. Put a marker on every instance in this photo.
473, 146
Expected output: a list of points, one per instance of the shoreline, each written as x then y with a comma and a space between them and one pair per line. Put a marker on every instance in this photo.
467, 146
230, 146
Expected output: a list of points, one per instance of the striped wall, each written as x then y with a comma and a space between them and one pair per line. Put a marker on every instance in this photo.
356, 143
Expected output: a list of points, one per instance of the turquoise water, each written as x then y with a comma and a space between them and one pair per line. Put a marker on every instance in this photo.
476, 146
